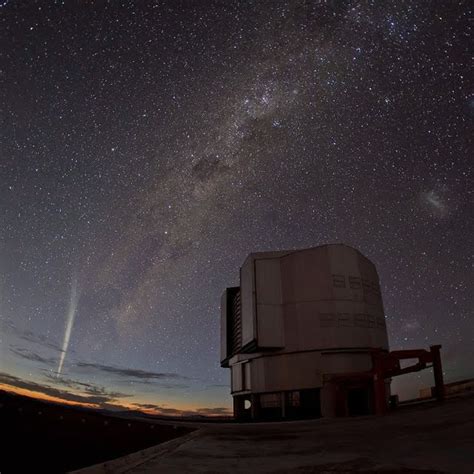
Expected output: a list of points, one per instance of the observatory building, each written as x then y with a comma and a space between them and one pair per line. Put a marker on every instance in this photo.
304, 335
296, 329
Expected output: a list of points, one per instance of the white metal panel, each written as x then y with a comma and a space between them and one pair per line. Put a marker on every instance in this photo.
343, 263
269, 303
224, 325
326, 298
306, 276
336, 312
286, 372
268, 282
247, 295
247, 376
270, 326
236, 378
345, 363
333, 324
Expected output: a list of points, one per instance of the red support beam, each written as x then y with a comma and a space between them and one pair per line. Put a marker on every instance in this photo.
438, 372
387, 364
380, 395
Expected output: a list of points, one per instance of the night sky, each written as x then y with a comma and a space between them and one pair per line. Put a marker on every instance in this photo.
147, 147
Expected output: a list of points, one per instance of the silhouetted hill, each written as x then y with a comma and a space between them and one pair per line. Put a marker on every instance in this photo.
40, 436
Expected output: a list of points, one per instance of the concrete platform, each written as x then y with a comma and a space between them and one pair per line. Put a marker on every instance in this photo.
426, 438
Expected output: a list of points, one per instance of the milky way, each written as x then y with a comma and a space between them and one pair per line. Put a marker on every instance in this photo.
148, 147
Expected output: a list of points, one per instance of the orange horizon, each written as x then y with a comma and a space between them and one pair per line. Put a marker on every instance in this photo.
128, 406
43, 396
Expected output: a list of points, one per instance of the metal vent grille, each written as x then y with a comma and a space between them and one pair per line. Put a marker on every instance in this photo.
235, 323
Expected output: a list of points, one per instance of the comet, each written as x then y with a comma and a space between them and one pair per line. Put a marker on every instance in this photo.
71, 314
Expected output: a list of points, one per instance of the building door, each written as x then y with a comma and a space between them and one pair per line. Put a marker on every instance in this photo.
310, 403
358, 401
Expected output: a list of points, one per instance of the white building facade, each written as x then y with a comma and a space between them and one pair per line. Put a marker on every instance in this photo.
298, 332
